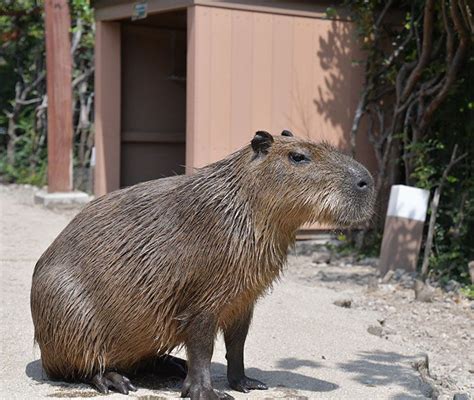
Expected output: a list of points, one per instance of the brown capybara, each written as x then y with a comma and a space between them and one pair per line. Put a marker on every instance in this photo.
170, 262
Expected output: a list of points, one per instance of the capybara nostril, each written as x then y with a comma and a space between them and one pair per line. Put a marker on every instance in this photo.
362, 185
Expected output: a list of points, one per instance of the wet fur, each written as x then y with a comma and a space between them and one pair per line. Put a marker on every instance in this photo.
129, 274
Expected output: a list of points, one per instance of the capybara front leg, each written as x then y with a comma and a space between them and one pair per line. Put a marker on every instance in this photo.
235, 336
112, 380
199, 342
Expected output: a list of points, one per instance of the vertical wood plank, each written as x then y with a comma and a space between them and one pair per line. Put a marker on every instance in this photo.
303, 110
262, 72
321, 70
220, 87
282, 73
190, 89
202, 83
107, 107
59, 89
241, 85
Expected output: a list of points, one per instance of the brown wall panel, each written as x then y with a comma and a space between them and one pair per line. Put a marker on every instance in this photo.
261, 74
241, 85
252, 71
107, 107
220, 84
282, 72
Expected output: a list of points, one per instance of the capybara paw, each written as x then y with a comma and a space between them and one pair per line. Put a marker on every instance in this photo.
114, 381
245, 384
197, 392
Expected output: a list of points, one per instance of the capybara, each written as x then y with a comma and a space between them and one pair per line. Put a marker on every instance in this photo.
170, 262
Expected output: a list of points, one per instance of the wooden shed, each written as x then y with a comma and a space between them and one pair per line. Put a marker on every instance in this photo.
183, 83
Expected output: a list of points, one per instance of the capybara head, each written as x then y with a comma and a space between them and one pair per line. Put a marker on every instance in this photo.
314, 181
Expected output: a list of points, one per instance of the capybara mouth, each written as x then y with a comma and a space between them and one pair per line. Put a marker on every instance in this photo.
356, 212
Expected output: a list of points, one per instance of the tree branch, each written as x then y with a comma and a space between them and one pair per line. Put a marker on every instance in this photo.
434, 210
426, 47
453, 68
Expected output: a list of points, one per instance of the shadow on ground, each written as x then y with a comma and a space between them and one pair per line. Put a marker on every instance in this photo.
380, 368
283, 379
361, 279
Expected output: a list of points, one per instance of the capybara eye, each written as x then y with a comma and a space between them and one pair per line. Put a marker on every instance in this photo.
298, 158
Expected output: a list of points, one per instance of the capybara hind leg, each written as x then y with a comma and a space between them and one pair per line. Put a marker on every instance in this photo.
234, 336
112, 380
165, 366
199, 343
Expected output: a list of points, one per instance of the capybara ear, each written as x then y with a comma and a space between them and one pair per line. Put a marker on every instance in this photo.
261, 142
286, 133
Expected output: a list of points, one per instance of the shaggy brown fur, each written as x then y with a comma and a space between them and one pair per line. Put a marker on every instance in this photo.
134, 268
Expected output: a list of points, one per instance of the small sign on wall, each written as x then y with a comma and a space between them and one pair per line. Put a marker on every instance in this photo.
140, 10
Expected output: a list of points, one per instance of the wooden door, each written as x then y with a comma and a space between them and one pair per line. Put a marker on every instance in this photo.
153, 103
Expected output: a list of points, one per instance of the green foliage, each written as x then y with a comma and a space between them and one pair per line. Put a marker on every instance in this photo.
22, 64
454, 230
468, 291
424, 157
347, 245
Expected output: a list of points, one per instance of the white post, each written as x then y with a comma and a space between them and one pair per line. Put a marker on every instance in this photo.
403, 229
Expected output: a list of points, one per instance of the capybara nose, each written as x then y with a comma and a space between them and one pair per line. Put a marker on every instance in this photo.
363, 182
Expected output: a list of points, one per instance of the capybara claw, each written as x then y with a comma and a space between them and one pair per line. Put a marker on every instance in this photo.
197, 392
112, 380
223, 395
245, 385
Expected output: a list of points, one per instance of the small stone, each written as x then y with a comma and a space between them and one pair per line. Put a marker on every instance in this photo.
444, 397
422, 363
372, 261
321, 257
426, 389
423, 292
373, 284
375, 330
323, 357
344, 303
398, 273
471, 270
388, 276
452, 286
461, 396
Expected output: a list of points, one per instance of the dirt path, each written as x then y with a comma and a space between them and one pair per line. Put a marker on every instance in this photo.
300, 344
443, 329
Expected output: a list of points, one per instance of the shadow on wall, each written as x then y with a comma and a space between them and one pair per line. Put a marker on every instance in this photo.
338, 91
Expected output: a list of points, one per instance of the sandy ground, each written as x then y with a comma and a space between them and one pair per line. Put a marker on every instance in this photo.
300, 344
